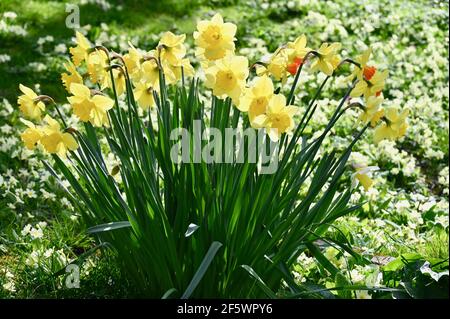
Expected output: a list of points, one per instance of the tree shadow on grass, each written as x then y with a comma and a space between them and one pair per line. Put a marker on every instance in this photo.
43, 18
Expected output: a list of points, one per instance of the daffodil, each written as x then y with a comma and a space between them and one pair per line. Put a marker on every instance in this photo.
184, 69
363, 176
119, 81
81, 50
97, 65
214, 39
371, 111
72, 76
227, 77
277, 66
256, 98
394, 126
327, 59
143, 94
149, 71
297, 54
278, 118
372, 83
54, 140
29, 103
89, 108
32, 135
362, 60
133, 60
172, 48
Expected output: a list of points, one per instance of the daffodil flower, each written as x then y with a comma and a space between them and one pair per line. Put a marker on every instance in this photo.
54, 140
97, 66
277, 66
362, 60
119, 81
32, 135
185, 68
256, 98
149, 71
297, 53
278, 118
372, 83
227, 77
133, 60
81, 51
29, 103
144, 95
363, 176
89, 108
372, 112
172, 48
71, 77
214, 38
327, 59
394, 126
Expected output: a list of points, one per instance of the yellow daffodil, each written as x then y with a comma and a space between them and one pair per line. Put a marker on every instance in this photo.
97, 65
278, 118
327, 59
143, 94
80, 52
132, 60
297, 54
358, 72
72, 76
372, 112
172, 48
185, 69
29, 104
372, 83
299, 47
256, 99
277, 66
54, 140
119, 81
227, 77
89, 108
149, 72
362, 175
32, 135
394, 126
214, 39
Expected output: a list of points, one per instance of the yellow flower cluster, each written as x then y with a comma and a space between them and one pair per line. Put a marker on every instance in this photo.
226, 74
52, 138
370, 83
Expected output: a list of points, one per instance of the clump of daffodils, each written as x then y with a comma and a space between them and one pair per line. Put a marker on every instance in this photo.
96, 78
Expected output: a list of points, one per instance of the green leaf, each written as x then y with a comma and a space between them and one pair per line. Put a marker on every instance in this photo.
401, 261
202, 269
260, 282
107, 227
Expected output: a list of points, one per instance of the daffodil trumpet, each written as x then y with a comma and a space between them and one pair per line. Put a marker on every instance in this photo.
101, 48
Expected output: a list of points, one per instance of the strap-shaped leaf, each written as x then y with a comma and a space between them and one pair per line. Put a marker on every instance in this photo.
107, 227
202, 269
168, 293
260, 282
191, 229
